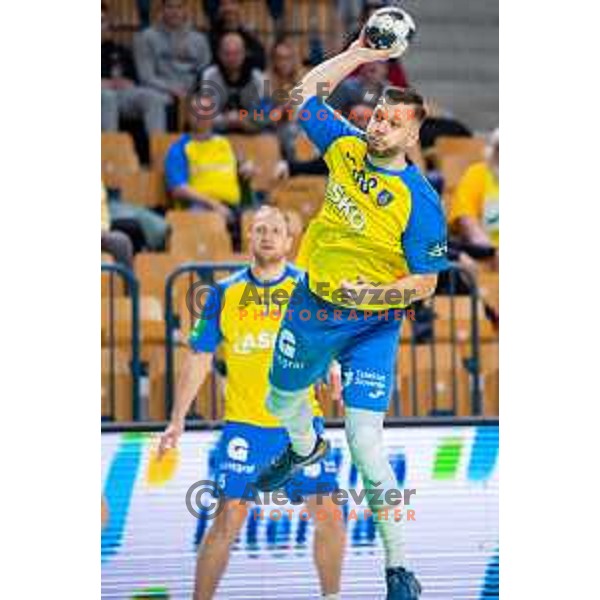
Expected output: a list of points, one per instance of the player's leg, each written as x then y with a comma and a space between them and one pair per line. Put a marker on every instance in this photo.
213, 555
368, 373
315, 485
329, 543
303, 349
240, 454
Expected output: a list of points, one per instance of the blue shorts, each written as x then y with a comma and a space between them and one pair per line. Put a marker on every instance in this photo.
245, 450
313, 332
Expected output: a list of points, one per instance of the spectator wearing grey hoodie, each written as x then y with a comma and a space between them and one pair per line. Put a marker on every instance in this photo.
169, 54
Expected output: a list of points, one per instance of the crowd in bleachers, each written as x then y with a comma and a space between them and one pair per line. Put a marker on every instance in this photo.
180, 179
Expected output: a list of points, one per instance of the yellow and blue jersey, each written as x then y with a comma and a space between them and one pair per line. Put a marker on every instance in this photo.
209, 166
241, 314
376, 224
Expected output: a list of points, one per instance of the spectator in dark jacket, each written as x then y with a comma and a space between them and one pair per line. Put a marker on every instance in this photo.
239, 84
230, 20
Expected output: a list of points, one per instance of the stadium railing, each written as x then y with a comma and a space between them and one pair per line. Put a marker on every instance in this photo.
438, 371
451, 347
121, 345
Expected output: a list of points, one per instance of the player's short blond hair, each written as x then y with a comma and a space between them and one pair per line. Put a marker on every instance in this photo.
265, 211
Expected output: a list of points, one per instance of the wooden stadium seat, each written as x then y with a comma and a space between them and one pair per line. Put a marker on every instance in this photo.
117, 316
159, 146
472, 148
110, 282
152, 270
452, 168
454, 155
204, 405
491, 394
124, 13
263, 150
198, 236
489, 289
490, 369
443, 307
116, 392
304, 194
302, 17
305, 150
144, 188
258, 19
437, 369
118, 157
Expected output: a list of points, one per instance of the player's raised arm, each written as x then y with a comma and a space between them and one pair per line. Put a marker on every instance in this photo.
323, 79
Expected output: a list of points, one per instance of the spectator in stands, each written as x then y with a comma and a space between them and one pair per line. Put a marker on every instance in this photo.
284, 73
202, 170
474, 214
241, 86
116, 243
285, 70
365, 87
230, 20
169, 55
121, 96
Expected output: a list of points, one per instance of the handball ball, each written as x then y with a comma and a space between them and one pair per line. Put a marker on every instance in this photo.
390, 28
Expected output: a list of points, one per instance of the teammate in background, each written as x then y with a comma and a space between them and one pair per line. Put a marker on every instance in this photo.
376, 245
251, 436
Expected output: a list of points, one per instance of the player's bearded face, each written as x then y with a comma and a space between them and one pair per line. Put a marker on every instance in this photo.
269, 238
391, 130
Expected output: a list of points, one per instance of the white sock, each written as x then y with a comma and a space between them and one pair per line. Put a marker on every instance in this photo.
294, 411
364, 431
331, 597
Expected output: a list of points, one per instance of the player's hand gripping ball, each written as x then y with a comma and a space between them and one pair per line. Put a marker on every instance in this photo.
390, 28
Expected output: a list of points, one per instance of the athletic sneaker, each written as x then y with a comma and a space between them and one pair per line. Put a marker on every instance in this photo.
287, 464
402, 584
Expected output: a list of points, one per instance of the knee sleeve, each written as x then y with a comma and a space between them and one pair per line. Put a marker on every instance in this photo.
364, 432
285, 405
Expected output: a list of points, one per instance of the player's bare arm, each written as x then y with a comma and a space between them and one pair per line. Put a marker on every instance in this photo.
410, 288
323, 79
195, 370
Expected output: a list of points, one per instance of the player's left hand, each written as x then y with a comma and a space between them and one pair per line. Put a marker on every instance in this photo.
367, 53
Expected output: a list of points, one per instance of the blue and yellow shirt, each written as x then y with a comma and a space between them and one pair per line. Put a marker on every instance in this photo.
376, 224
209, 166
243, 314
477, 195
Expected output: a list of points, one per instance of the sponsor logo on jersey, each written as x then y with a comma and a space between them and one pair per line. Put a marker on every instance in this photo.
437, 250
384, 197
346, 207
287, 343
237, 449
249, 342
